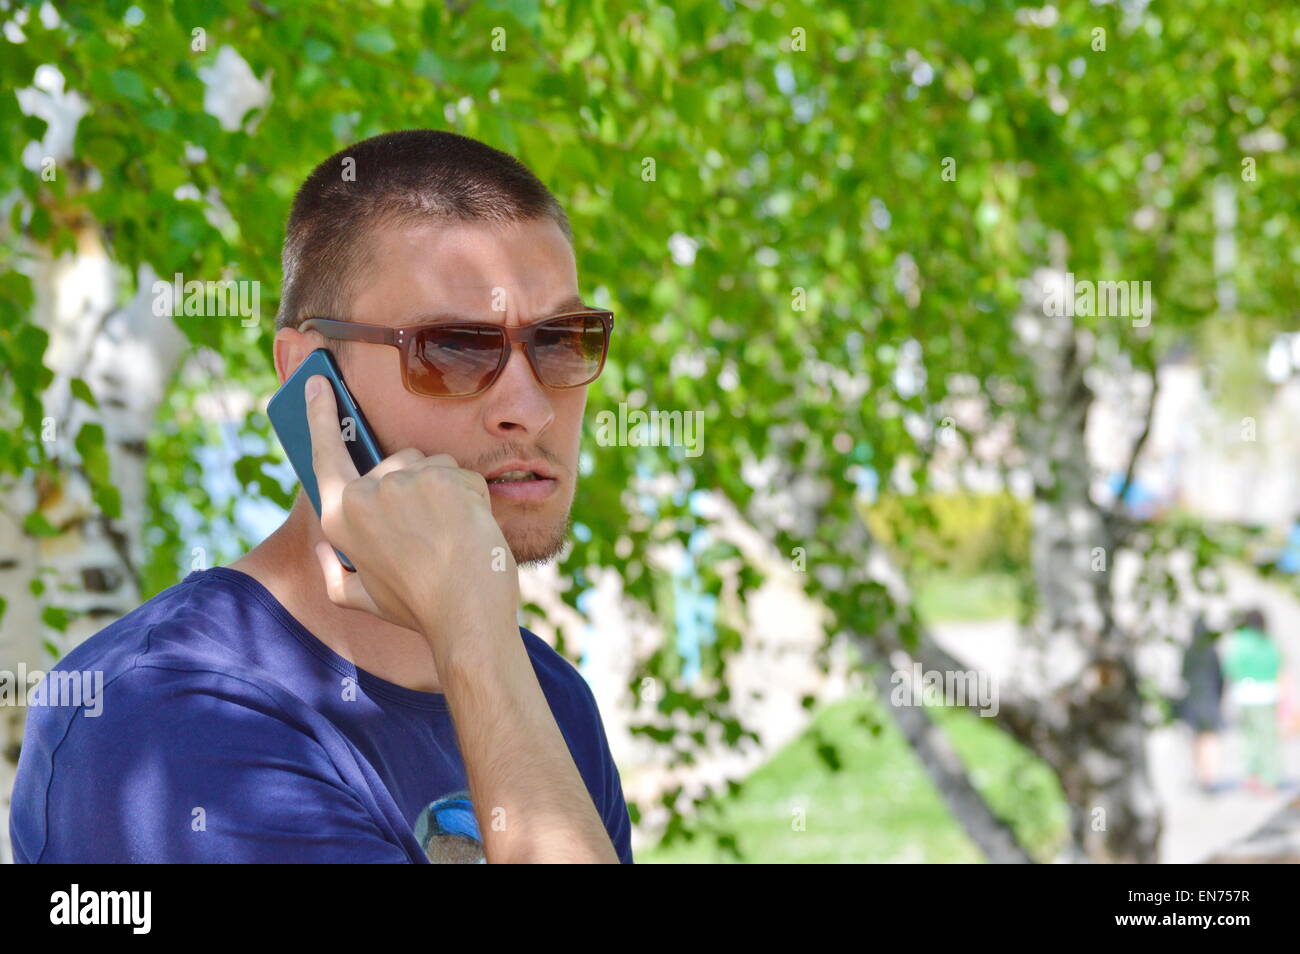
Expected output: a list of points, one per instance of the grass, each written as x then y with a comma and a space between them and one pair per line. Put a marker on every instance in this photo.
941, 597
880, 805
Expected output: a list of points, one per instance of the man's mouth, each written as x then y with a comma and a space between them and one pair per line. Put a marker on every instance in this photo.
516, 475
524, 485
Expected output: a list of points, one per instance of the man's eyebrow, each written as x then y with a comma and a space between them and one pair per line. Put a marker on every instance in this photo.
572, 303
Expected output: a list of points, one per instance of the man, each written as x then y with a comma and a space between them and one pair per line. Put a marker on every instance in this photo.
285, 709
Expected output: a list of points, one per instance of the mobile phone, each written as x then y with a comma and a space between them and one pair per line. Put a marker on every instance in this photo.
287, 410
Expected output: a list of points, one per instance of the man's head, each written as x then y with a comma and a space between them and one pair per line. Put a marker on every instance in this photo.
411, 226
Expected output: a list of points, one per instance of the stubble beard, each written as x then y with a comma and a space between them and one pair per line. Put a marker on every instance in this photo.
540, 545
536, 538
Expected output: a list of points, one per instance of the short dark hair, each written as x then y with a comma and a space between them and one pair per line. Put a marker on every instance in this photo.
407, 176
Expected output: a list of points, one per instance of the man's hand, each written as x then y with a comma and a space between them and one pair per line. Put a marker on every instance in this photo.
419, 531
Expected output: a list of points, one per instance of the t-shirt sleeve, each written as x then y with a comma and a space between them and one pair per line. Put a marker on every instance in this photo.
613, 808
204, 767
617, 821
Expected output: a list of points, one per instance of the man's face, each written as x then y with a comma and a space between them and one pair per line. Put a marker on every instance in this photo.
420, 270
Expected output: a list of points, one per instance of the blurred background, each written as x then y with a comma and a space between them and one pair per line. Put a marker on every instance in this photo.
986, 315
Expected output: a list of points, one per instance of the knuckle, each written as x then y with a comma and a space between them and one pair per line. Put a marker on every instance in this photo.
351, 494
432, 476
474, 481
394, 480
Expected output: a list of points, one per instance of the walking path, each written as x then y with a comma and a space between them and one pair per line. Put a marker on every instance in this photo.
1199, 826
1275, 842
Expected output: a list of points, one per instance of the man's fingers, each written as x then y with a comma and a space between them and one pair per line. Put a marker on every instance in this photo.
329, 457
410, 458
402, 460
477, 483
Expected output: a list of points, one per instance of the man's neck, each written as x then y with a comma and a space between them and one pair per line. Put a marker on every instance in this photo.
286, 564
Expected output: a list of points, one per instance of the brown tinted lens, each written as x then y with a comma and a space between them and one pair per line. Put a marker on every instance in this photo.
569, 351
454, 360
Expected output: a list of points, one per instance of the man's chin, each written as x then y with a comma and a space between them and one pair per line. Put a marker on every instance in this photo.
537, 545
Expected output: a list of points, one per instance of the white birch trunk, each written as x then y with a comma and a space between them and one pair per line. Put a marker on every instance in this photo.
127, 357
1089, 725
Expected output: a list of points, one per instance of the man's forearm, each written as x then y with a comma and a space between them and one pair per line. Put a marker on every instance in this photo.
531, 801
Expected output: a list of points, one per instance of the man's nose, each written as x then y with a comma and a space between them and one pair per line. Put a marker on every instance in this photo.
518, 401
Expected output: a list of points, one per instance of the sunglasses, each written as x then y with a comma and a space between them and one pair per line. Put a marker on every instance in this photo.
462, 359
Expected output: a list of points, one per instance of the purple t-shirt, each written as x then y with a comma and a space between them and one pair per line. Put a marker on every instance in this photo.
226, 732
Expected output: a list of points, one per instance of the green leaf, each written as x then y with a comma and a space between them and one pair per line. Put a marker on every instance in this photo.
16, 287
375, 40
34, 127
476, 78
527, 12
56, 617
109, 500
35, 524
429, 66
162, 120
129, 84
317, 51
81, 391
39, 225
194, 13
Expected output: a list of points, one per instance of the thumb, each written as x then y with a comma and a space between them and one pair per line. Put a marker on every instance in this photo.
344, 589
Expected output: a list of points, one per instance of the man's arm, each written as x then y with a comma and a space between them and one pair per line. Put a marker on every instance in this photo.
531, 800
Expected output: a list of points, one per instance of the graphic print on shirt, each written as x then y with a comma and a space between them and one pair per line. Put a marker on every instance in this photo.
448, 831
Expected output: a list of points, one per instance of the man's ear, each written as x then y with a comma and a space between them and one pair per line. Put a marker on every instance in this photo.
291, 348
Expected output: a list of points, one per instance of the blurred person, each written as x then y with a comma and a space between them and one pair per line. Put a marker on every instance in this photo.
1201, 706
1252, 663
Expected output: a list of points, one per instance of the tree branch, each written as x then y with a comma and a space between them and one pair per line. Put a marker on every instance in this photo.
941, 762
1118, 532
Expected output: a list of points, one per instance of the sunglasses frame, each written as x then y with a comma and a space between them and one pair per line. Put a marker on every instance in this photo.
404, 338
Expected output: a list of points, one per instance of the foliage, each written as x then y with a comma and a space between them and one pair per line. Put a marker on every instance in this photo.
800, 146
964, 533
